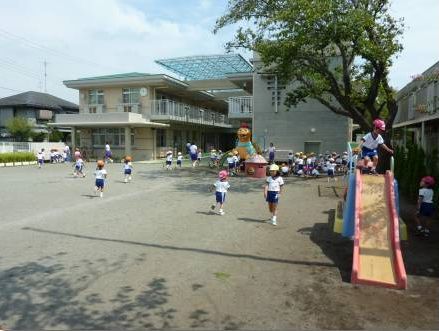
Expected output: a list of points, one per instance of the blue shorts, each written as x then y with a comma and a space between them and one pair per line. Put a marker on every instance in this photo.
194, 157
271, 156
99, 183
168, 162
220, 197
231, 165
107, 154
179, 162
78, 168
427, 209
290, 162
330, 172
127, 172
272, 197
300, 166
368, 152
41, 161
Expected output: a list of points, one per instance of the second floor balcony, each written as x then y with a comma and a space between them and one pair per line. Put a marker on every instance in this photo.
172, 111
241, 107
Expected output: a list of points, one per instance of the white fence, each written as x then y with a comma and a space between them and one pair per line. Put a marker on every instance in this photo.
9, 147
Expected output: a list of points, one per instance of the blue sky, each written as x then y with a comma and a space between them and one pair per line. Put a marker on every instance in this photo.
82, 38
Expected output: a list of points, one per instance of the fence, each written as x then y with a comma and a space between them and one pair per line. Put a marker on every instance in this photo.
10, 147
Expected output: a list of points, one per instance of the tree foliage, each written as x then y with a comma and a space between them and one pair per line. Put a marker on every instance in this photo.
19, 128
339, 51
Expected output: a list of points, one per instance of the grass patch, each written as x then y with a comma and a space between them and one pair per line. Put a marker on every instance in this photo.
17, 157
222, 275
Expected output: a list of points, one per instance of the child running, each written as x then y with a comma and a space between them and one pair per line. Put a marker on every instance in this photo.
370, 142
179, 159
79, 168
425, 206
221, 187
200, 154
231, 163
40, 158
168, 160
272, 191
127, 169
101, 176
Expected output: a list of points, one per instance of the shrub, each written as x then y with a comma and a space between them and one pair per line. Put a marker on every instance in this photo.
17, 157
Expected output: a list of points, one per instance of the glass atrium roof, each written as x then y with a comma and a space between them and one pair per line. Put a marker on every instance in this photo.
207, 66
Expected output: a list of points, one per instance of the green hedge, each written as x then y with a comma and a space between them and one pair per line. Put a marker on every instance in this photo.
17, 157
411, 165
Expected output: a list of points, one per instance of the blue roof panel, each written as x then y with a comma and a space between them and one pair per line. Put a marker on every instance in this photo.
203, 67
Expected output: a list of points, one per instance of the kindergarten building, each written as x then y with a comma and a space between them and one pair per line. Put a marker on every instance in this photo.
145, 115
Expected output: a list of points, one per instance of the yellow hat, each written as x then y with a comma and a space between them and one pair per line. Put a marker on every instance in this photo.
274, 167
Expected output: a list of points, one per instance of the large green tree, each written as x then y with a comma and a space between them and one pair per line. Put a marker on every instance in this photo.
339, 51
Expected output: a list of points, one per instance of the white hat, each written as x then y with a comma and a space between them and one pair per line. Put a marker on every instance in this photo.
274, 167
331, 159
169, 152
179, 153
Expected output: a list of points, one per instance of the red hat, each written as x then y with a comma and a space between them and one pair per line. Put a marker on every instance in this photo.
244, 125
222, 174
379, 124
428, 180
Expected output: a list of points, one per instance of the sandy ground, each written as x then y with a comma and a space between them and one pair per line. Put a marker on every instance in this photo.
150, 254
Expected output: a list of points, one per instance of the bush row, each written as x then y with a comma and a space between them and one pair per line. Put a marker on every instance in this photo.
17, 157
411, 164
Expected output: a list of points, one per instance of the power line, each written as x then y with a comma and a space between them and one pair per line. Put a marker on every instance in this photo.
53, 51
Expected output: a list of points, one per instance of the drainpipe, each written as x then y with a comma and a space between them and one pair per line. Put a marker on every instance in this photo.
275, 93
423, 135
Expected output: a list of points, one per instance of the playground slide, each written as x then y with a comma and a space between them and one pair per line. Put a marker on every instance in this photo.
377, 256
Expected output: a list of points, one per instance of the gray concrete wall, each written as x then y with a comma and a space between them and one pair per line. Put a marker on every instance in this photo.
308, 122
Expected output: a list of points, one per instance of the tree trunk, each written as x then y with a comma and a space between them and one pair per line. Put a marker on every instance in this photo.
384, 157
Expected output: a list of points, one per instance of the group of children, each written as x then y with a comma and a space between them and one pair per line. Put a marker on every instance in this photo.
170, 159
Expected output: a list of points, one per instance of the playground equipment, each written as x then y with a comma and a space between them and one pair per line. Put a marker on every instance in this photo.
370, 216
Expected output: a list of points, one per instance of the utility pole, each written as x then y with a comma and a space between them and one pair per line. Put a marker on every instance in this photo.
45, 76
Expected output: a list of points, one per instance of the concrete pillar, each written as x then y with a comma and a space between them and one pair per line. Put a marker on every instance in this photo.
423, 135
73, 136
128, 141
154, 143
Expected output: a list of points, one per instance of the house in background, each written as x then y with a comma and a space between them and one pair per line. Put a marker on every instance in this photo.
417, 120
38, 108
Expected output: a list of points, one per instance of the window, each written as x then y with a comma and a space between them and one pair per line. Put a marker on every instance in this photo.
161, 138
115, 137
130, 95
95, 97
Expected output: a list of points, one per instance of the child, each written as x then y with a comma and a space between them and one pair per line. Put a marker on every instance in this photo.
330, 166
272, 191
213, 156
179, 159
231, 163
370, 142
108, 153
168, 160
285, 170
77, 153
236, 161
127, 169
425, 206
221, 187
52, 156
271, 152
200, 154
101, 175
79, 167
40, 158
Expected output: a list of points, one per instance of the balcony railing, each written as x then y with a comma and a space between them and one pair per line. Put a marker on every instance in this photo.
241, 107
169, 110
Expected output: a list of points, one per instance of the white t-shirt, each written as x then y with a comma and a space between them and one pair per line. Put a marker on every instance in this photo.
67, 149
127, 166
40, 156
290, 156
180, 157
285, 169
370, 142
230, 160
79, 163
427, 194
330, 166
193, 149
212, 155
169, 157
300, 161
271, 149
222, 186
200, 155
235, 159
107, 147
274, 184
100, 174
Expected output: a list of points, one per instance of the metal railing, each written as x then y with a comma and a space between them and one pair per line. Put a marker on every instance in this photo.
177, 111
241, 106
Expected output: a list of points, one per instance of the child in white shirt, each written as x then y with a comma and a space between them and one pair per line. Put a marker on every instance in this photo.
179, 159
40, 158
231, 163
168, 160
221, 188
330, 166
272, 191
425, 209
79, 168
127, 169
285, 170
101, 176
200, 154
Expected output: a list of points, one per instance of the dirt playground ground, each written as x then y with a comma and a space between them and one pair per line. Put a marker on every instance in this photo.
150, 254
